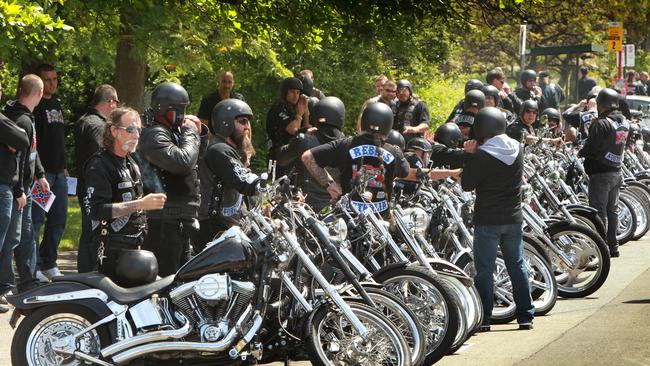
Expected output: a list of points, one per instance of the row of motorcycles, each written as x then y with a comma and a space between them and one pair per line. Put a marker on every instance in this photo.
345, 287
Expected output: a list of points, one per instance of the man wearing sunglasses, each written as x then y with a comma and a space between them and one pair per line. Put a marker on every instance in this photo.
88, 135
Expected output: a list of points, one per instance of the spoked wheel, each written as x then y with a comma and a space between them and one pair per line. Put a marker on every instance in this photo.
640, 200
433, 303
587, 256
44, 338
333, 340
626, 220
402, 317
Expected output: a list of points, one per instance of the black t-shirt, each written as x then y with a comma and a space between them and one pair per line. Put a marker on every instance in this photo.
277, 120
50, 134
358, 155
411, 113
88, 139
209, 101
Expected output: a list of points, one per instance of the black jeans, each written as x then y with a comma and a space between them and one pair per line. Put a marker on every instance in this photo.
603, 196
169, 240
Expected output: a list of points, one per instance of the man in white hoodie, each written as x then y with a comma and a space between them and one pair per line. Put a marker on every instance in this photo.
495, 172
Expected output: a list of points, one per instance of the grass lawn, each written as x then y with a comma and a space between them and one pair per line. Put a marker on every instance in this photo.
72, 232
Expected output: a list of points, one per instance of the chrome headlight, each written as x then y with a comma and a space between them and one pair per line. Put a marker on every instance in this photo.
417, 219
339, 229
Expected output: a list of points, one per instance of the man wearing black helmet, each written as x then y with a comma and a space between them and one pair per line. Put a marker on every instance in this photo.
493, 99
552, 119
363, 160
473, 102
412, 115
328, 116
447, 149
232, 180
522, 130
169, 149
287, 117
308, 85
495, 172
472, 84
528, 88
603, 153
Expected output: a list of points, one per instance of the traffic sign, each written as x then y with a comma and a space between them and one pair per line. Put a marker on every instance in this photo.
615, 36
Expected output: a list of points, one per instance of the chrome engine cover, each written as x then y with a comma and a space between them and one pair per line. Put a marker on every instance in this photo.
213, 287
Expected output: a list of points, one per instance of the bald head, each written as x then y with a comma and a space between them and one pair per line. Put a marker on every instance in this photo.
30, 85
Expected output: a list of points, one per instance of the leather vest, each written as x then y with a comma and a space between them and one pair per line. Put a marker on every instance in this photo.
369, 165
616, 139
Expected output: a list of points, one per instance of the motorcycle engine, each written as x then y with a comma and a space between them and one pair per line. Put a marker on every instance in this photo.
212, 304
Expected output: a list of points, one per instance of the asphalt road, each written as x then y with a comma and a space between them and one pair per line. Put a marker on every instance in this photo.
609, 327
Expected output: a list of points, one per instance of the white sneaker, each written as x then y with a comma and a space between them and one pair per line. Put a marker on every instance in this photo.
52, 272
41, 277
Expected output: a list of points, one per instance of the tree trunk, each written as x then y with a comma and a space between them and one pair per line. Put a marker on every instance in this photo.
130, 74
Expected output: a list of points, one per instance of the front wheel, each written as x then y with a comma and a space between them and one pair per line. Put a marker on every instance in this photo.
43, 338
333, 340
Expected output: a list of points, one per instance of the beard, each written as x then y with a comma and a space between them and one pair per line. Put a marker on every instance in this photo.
244, 146
130, 146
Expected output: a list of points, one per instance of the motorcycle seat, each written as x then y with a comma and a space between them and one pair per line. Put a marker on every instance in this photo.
119, 294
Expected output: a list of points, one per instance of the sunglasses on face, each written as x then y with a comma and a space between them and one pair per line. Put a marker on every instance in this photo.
131, 129
243, 120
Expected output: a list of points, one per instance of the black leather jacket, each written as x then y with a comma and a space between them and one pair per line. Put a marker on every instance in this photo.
168, 159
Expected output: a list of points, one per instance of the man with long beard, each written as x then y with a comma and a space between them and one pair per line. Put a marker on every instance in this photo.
114, 199
227, 159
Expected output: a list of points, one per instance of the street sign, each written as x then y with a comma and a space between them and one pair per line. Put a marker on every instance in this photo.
615, 36
629, 55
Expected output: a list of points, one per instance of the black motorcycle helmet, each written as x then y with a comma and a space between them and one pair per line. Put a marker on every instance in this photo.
222, 121
329, 111
607, 99
396, 138
529, 105
645, 132
474, 98
134, 268
377, 118
550, 114
448, 134
489, 122
288, 84
169, 102
492, 91
473, 84
307, 85
311, 103
527, 75
405, 84
419, 143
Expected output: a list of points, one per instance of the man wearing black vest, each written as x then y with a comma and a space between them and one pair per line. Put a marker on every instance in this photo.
603, 153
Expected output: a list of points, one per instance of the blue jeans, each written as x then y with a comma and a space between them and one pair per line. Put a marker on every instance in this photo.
55, 224
6, 205
19, 244
509, 239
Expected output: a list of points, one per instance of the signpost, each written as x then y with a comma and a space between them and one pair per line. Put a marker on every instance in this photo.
615, 43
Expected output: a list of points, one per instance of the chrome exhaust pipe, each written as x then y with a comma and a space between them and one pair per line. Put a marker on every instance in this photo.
219, 346
157, 336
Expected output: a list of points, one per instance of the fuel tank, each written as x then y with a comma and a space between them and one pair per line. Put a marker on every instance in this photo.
230, 252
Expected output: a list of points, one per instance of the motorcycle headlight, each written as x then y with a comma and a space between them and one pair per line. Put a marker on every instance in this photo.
418, 219
339, 229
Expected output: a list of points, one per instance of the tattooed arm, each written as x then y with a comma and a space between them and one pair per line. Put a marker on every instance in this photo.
152, 201
321, 175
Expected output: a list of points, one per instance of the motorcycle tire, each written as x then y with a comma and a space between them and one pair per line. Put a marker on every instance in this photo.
328, 329
432, 301
592, 256
39, 329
